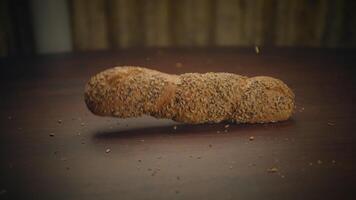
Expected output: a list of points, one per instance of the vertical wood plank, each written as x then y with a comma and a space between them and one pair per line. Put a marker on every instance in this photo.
89, 24
302, 22
349, 32
157, 19
253, 23
126, 22
4, 27
230, 23
334, 23
192, 22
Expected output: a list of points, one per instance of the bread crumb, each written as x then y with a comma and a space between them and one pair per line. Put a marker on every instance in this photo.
333, 161
59, 121
272, 170
227, 125
51, 134
257, 49
175, 127
179, 65
107, 150
320, 162
210, 145
251, 138
331, 124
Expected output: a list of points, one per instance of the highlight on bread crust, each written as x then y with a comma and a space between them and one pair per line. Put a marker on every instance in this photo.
189, 98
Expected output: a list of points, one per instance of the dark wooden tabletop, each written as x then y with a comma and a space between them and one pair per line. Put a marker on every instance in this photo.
311, 156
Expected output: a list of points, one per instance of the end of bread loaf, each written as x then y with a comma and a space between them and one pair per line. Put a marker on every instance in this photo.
189, 98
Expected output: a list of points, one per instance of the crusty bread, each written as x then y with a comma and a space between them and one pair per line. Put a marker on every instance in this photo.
190, 98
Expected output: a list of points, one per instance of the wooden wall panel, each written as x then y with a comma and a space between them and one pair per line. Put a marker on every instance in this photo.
157, 23
230, 23
102, 24
192, 22
89, 24
126, 23
16, 34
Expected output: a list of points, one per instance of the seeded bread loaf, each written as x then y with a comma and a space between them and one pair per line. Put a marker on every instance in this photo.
189, 98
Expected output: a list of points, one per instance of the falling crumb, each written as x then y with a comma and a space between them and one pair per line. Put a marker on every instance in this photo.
225, 131
310, 163
320, 162
178, 178
333, 161
272, 170
210, 145
175, 127
179, 65
217, 131
227, 125
251, 138
301, 109
107, 150
142, 140
257, 49
331, 124
59, 121
230, 167
282, 176
51, 134
82, 124
78, 133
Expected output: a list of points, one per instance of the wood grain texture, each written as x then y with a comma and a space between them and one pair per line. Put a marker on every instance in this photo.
314, 152
16, 33
116, 24
89, 24
126, 22
156, 23
313, 23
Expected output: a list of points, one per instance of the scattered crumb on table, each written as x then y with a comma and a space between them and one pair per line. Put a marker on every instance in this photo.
272, 170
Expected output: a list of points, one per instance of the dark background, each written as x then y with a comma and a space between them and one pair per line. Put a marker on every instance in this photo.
30, 26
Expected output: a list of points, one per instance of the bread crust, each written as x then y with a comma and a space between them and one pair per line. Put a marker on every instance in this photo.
189, 98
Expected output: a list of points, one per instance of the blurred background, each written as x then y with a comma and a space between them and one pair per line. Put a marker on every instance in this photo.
29, 27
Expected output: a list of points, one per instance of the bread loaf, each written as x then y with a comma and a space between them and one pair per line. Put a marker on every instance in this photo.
189, 98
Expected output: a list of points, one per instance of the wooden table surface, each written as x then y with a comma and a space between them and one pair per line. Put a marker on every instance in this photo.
313, 154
